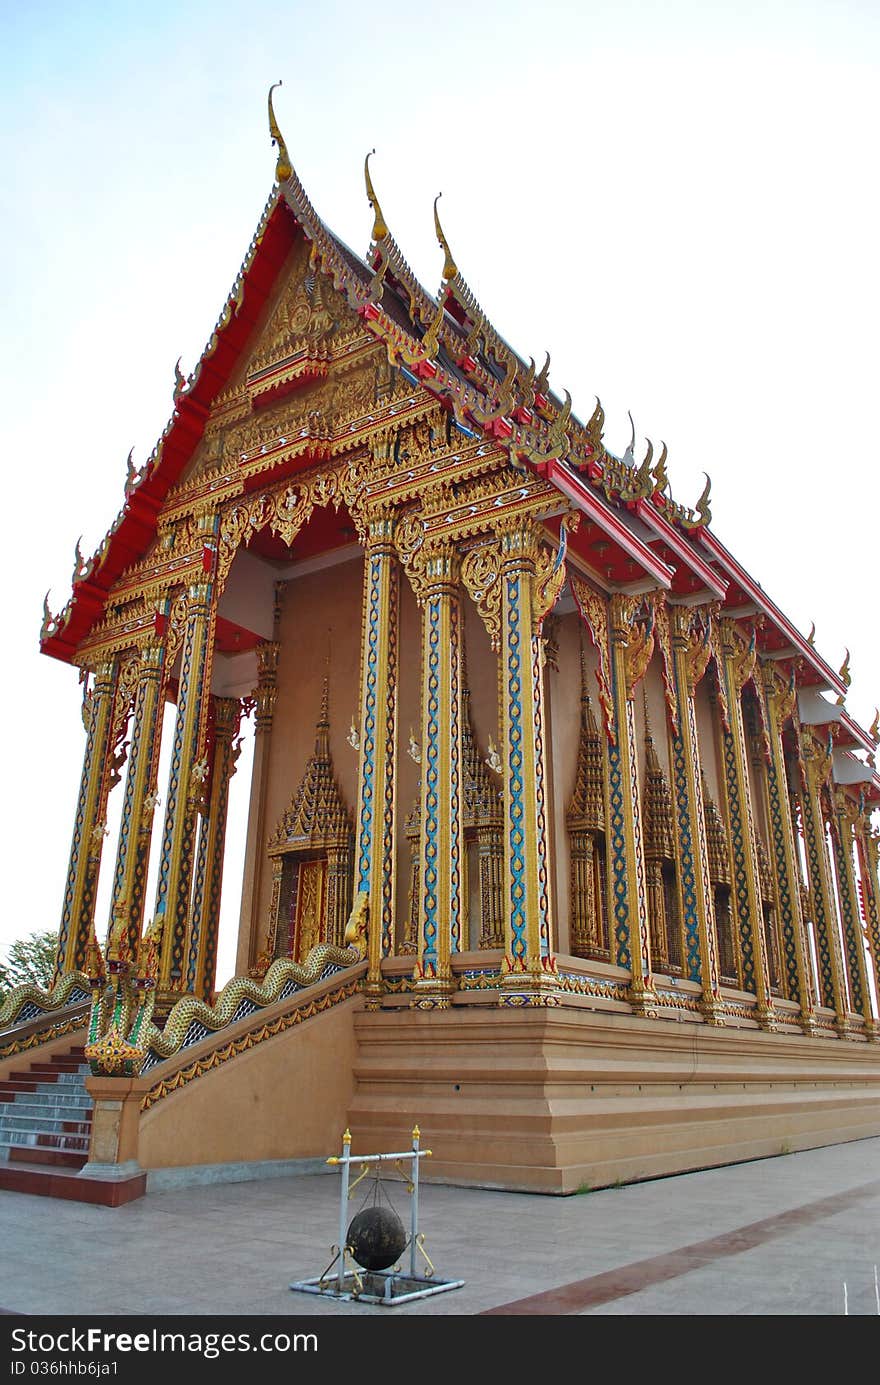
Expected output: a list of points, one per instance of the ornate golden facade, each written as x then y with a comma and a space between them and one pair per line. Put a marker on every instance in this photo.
559, 722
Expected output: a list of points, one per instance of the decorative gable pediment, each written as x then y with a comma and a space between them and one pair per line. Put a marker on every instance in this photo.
317, 818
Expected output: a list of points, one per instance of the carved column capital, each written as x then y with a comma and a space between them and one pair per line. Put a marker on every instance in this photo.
518, 541
265, 692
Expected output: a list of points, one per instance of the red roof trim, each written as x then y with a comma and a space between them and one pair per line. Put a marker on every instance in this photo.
136, 524
648, 515
575, 491
782, 623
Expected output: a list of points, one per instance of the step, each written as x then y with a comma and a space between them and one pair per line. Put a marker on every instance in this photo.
46, 1181
46, 1110
37, 1079
75, 1096
47, 1155
32, 1133
76, 1144
56, 1067
41, 1073
50, 1101
45, 1133
42, 1125
10, 1090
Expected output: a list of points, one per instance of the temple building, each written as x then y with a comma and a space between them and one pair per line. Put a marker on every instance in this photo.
560, 835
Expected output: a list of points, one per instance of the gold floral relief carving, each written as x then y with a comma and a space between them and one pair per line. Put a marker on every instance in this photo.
291, 317
632, 628
638, 654
742, 654
175, 629
551, 573
782, 692
409, 536
353, 394
663, 636
285, 510
594, 614
480, 573
692, 632
128, 675
816, 758
425, 440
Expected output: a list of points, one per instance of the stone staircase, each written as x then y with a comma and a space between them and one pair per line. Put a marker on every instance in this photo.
46, 1113
45, 1132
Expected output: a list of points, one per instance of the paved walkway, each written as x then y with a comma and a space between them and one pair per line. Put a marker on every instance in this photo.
797, 1234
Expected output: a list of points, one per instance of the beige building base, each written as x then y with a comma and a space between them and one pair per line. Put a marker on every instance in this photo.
551, 1100
285, 1098
561, 1100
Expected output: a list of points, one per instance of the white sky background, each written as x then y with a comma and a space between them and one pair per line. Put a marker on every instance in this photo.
679, 200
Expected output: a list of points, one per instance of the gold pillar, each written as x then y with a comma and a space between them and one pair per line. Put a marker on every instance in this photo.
815, 764
779, 700
868, 849
690, 633
89, 829
139, 804
737, 666
441, 911
843, 814
622, 632
529, 967
375, 867
201, 968
265, 694
185, 781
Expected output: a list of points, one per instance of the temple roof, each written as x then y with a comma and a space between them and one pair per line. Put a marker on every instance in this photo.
445, 345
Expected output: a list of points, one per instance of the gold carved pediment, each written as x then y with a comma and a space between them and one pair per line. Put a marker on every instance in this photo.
307, 310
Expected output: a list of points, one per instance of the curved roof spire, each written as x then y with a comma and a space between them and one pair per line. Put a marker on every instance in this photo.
380, 226
450, 268
701, 514
283, 167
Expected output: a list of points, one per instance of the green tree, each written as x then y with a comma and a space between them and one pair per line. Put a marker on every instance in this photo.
29, 959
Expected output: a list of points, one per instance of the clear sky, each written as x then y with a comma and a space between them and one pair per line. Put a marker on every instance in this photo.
679, 200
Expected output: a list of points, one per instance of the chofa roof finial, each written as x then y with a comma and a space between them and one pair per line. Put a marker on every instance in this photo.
845, 677
283, 167
450, 268
702, 514
380, 226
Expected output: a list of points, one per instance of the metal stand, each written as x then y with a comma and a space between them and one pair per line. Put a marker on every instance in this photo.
385, 1287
